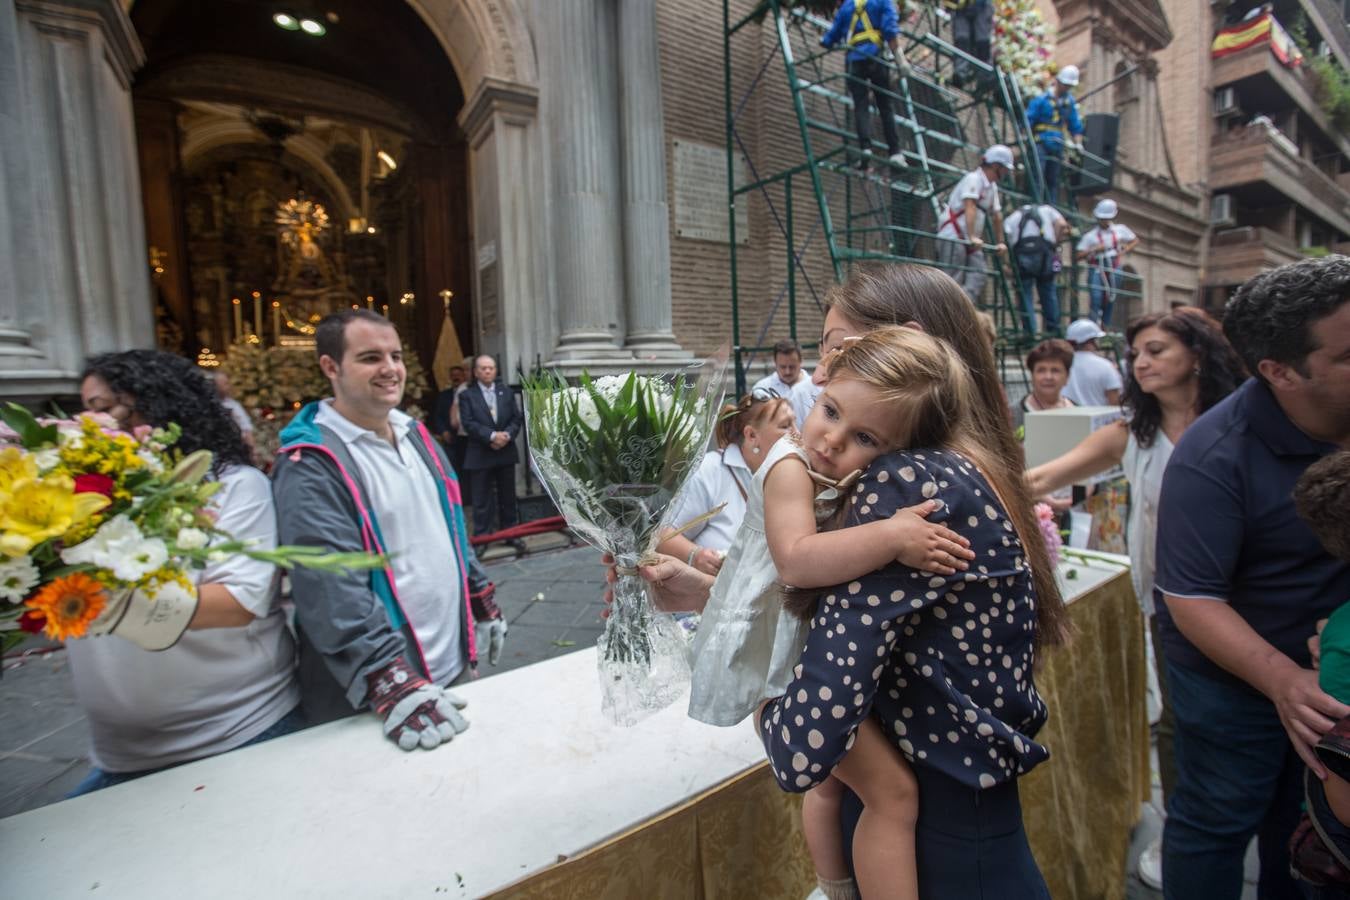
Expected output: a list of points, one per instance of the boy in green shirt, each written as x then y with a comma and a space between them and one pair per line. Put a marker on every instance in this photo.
1320, 847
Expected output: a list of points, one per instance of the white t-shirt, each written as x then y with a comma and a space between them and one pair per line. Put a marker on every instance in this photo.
780, 387
1044, 221
1105, 243
1090, 378
715, 482
804, 394
214, 690
975, 186
404, 496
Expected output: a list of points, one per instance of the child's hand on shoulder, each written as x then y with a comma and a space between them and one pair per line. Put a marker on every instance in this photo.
928, 546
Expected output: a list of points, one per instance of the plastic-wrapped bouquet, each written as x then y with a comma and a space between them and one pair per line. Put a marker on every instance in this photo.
612, 453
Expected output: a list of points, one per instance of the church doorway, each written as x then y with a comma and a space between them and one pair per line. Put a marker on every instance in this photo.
296, 158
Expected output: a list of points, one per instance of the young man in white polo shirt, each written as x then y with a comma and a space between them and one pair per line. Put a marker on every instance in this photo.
1093, 380
356, 473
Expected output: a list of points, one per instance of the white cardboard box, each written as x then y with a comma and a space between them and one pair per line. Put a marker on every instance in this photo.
1051, 433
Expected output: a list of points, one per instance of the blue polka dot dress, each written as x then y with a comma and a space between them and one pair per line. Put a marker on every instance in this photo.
943, 662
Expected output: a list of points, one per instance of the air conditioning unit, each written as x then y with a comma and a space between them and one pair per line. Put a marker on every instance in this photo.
1225, 102
1222, 213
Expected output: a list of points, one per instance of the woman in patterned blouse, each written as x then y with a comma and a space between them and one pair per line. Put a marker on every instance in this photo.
942, 663
969, 839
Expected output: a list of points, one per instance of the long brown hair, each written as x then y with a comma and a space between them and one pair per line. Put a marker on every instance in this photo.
978, 426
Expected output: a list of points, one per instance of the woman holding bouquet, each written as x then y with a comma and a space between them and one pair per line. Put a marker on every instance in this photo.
230, 679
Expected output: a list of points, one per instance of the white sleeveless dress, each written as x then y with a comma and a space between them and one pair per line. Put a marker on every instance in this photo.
747, 645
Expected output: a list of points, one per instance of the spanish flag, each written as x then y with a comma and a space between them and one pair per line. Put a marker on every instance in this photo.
1263, 29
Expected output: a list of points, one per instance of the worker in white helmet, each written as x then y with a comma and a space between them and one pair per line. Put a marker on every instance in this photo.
1103, 249
960, 236
1055, 123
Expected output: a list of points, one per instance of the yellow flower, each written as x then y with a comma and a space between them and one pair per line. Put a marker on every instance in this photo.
37, 509
15, 465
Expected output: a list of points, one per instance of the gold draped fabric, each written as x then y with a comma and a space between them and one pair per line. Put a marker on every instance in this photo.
742, 839
739, 841
1079, 806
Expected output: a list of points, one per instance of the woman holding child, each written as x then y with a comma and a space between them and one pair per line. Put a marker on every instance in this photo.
915, 681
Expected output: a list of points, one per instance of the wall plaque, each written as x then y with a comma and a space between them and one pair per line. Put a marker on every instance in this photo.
701, 194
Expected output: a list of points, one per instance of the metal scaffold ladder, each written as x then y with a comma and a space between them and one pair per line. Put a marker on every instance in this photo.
883, 212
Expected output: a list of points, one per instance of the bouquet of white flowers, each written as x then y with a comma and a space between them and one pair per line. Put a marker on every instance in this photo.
612, 454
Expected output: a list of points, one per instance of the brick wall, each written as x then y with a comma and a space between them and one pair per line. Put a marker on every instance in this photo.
1183, 81
694, 106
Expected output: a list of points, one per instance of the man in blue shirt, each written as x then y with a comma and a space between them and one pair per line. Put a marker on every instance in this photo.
1245, 582
869, 27
1054, 121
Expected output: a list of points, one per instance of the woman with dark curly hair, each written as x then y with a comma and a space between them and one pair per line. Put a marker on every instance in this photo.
230, 680
1180, 366
147, 387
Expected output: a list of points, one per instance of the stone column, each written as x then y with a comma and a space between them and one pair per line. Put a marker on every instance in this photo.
646, 217
73, 257
513, 318
577, 75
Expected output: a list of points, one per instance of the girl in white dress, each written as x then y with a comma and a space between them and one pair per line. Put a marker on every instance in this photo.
749, 644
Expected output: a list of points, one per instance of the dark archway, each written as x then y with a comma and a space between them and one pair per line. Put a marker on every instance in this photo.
233, 112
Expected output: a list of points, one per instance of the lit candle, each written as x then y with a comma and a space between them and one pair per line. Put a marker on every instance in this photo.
257, 313
384, 307
238, 319
370, 303
276, 322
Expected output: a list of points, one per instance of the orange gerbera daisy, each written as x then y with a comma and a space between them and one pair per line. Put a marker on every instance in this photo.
69, 603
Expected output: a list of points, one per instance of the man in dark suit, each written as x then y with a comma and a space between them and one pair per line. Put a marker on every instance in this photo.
487, 411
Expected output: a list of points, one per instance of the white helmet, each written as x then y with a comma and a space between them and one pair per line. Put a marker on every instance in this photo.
1105, 209
1068, 76
999, 155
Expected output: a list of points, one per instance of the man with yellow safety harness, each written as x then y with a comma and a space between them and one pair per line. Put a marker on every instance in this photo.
869, 26
972, 33
1054, 120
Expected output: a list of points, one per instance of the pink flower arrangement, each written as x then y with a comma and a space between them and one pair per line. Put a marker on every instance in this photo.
1045, 519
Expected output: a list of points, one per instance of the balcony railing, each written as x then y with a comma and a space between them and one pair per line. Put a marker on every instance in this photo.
1257, 61
1237, 254
1249, 156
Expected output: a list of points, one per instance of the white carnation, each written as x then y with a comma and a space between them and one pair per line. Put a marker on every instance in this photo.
191, 538
47, 459
17, 577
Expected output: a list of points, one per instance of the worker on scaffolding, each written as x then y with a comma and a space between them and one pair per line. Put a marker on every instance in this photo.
972, 33
1054, 120
869, 27
1103, 249
960, 245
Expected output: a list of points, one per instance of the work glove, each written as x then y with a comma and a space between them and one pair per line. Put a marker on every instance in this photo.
489, 621
416, 713
151, 623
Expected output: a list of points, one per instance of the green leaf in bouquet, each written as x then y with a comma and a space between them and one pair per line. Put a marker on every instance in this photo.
31, 434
